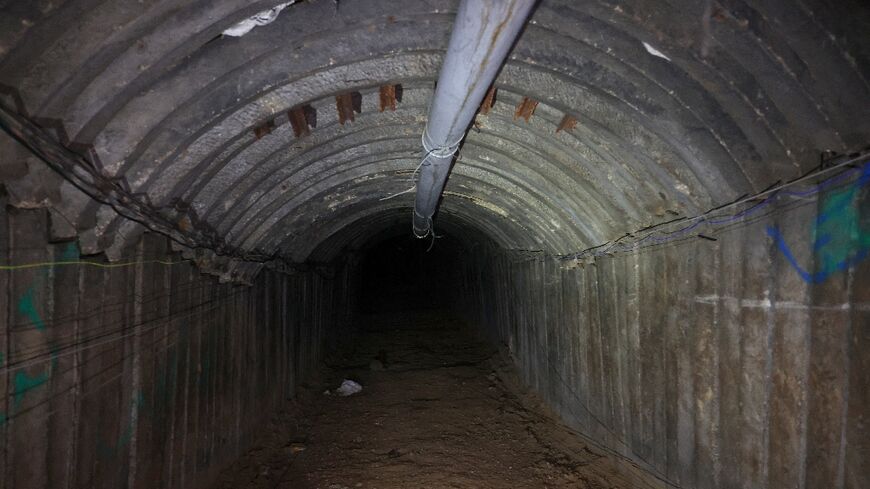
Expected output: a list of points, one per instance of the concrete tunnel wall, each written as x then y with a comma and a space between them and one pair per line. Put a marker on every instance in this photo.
608, 117
711, 363
146, 372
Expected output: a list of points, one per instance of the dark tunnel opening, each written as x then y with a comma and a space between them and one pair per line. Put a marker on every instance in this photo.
404, 273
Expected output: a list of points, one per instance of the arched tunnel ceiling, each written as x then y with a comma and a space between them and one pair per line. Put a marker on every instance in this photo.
646, 109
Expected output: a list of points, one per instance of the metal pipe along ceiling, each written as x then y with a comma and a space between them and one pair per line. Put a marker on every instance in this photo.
483, 33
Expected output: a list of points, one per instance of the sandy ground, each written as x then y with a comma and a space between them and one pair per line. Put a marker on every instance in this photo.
439, 409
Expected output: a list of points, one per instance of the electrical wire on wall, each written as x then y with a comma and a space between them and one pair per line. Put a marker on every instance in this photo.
688, 227
25, 266
95, 333
115, 193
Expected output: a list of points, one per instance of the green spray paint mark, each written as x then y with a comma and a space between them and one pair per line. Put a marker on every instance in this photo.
838, 232
27, 306
24, 382
71, 253
108, 450
28, 309
840, 241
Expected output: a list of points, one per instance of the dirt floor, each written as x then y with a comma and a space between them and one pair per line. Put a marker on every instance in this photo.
439, 409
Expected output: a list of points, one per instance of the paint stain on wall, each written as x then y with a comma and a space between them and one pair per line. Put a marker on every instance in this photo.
23, 382
70, 253
27, 308
840, 241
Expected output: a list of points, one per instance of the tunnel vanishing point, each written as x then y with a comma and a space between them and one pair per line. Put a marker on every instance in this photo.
659, 211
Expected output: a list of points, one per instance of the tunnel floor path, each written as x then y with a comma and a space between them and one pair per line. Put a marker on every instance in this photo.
438, 409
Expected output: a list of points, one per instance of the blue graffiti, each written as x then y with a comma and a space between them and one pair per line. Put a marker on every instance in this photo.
840, 241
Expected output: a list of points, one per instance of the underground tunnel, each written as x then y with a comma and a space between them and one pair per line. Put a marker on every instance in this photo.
434, 243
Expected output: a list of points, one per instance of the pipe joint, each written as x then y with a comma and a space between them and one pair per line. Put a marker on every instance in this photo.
426, 221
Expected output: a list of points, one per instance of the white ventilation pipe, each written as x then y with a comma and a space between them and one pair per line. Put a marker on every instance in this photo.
483, 33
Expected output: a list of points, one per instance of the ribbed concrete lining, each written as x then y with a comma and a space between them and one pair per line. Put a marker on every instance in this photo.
172, 110
367, 232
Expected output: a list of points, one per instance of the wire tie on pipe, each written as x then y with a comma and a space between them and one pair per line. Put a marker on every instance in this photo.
438, 151
413, 179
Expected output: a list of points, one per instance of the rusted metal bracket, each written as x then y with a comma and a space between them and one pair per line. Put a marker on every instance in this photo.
488, 101
264, 129
302, 119
347, 104
568, 123
389, 96
526, 109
